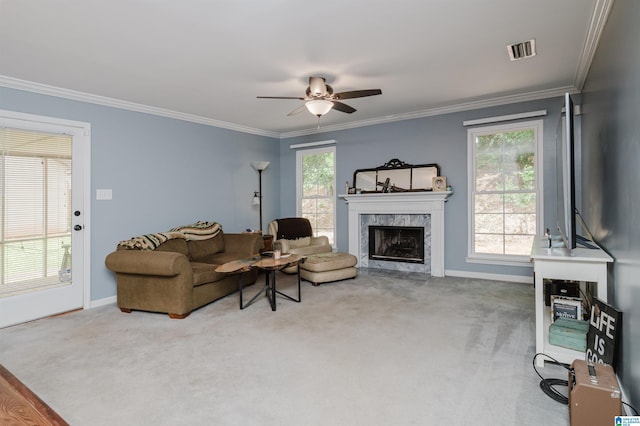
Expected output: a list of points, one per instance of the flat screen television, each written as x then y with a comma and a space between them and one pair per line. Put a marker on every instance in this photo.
565, 174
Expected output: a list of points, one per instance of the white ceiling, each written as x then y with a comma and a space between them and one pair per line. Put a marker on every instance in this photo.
207, 60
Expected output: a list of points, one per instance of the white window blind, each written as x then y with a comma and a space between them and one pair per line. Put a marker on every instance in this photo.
35, 192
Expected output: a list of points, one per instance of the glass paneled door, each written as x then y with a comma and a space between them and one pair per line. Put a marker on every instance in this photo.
41, 218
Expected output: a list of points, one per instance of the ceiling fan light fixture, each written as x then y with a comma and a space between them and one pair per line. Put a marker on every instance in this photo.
319, 107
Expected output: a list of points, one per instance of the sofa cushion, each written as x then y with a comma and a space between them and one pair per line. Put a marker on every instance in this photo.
222, 258
199, 249
205, 273
177, 245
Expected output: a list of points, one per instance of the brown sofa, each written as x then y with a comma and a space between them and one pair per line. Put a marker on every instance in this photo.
177, 275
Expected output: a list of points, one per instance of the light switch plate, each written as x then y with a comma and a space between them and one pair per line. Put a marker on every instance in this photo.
103, 194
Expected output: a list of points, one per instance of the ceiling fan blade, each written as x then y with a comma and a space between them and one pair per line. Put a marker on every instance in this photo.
279, 97
339, 106
297, 110
357, 94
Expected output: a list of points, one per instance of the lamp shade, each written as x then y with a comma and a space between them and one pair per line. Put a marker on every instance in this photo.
260, 165
319, 107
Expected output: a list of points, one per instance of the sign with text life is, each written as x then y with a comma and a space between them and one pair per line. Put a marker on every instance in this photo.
604, 325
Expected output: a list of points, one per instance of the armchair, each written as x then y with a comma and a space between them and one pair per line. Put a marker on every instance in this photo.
295, 235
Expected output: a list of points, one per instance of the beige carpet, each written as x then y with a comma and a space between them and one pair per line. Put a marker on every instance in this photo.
383, 349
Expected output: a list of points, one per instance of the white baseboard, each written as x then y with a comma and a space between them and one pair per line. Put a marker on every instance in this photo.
101, 302
486, 276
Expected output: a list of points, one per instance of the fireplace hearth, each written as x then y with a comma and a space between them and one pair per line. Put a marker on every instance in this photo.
396, 243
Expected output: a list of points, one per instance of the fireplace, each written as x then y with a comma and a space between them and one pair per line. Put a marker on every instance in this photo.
400, 251
396, 243
425, 209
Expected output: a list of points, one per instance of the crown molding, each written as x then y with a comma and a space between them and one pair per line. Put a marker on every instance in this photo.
466, 106
43, 89
596, 26
14, 83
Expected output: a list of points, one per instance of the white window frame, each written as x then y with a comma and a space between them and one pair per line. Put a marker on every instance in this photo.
472, 133
299, 155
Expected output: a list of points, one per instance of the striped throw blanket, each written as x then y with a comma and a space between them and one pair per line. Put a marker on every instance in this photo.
149, 241
200, 230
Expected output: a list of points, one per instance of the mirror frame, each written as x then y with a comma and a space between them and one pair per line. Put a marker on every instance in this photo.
396, 176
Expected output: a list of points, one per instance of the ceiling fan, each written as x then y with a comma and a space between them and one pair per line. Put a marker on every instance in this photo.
320, 98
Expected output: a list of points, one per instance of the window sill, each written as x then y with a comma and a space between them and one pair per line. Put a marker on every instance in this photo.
522, 261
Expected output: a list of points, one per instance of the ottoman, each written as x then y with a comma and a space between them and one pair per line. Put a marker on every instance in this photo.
326, 267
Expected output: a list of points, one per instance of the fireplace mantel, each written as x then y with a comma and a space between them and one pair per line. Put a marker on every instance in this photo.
431, 203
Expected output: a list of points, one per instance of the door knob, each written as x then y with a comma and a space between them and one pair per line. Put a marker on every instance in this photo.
77, 227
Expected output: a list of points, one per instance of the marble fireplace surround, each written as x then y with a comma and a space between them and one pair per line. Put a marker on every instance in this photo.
418, 203
419, 220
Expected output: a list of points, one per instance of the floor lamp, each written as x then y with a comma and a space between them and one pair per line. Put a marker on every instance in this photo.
260, 166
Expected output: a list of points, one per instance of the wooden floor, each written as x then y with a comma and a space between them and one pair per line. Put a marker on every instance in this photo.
20, 406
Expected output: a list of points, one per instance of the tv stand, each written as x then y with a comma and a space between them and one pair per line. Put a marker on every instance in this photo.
589, 265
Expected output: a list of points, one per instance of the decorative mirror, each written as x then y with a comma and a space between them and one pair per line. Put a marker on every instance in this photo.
396, 176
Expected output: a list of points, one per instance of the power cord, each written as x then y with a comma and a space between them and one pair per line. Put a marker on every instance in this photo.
635, 412
547, 385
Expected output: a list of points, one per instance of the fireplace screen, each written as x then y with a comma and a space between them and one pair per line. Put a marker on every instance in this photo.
397, 243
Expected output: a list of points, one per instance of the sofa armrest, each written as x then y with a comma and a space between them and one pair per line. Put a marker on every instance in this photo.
244, 244
144, 262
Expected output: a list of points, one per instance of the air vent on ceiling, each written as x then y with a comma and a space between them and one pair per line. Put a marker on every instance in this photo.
526, 49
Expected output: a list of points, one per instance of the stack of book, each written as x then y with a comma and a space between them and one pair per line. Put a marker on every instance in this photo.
567, 327
566, 307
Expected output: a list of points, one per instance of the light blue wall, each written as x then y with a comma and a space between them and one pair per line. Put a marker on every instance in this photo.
166, 172
439, 139
611, 155
163, 173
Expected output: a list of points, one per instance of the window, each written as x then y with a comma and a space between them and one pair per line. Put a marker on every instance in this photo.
315, 189
505, 178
